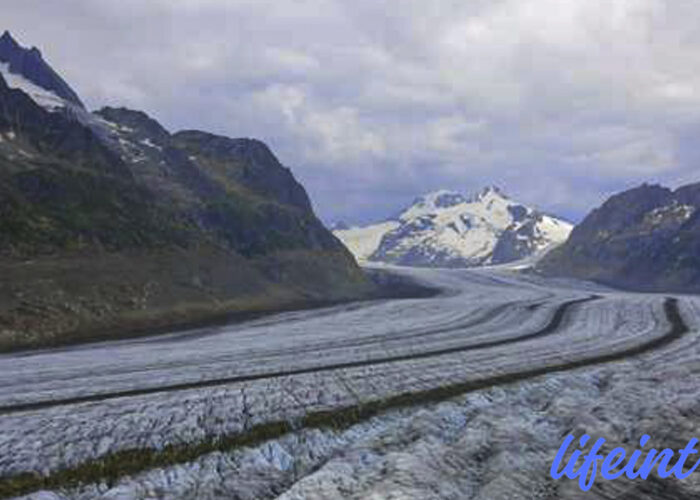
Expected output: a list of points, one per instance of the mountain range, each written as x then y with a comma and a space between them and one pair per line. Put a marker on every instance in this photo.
643, 239
446, 229
109, 223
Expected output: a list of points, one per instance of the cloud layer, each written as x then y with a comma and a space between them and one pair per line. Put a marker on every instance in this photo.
561, 102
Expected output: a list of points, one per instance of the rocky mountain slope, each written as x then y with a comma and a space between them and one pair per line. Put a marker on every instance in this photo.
646, 238
445, 229
29, 65
109, 223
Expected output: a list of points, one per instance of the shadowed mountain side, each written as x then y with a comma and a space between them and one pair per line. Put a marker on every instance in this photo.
646, 239
110, 224
30, 64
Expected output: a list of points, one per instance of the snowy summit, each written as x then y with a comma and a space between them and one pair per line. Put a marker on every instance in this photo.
446, 229
25, 69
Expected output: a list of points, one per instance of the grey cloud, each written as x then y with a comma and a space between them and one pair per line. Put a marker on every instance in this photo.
372, 102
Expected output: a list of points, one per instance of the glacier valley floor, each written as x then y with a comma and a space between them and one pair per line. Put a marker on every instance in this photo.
465, 395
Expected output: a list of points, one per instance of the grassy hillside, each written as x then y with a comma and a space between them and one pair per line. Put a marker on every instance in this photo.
117, 227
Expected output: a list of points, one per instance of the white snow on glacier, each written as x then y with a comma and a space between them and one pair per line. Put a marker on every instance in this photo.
492, 443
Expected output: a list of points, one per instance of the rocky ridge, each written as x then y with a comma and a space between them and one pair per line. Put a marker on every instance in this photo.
646, 238
111, 225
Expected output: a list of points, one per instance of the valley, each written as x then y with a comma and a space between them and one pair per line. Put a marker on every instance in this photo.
177, 322
293, 404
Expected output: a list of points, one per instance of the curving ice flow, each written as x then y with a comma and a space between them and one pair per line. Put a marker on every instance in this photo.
516, 343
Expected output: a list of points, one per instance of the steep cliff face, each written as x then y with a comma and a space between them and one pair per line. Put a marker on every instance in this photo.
246, 162
234, 190
29, 64
110, 224
647, 238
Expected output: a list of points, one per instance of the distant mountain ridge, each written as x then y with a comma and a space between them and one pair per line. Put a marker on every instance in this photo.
446, 229
646, 239
110, 223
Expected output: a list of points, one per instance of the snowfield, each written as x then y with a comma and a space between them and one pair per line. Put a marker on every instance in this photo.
44, 98
364, 241
521, 362
446, 229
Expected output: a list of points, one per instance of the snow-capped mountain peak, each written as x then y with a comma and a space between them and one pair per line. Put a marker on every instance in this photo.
7, 40
445, 228
490, 193
439, 199
25, 69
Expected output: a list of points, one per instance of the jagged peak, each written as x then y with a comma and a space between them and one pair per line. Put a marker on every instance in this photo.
8, 42
193, 134
199, 135
30, 66
221, 145
11, 48
135, 119
124, 111
440, 199
443, 198
490, 191
7, 38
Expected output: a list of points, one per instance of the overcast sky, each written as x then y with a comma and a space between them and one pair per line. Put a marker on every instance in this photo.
559, 102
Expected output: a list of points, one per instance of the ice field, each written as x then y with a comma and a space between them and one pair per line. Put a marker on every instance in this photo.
463, 395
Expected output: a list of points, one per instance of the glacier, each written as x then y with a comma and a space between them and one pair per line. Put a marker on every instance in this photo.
539, 358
